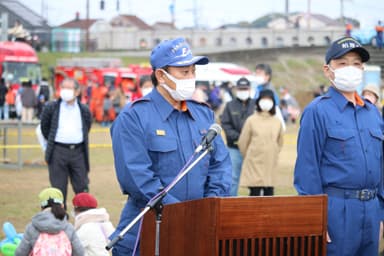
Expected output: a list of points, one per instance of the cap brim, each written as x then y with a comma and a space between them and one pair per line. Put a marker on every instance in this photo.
364, 54
197, 60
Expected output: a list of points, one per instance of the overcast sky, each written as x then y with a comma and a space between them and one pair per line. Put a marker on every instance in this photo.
209, 13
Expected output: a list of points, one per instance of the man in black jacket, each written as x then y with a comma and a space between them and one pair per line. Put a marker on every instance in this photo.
65, 125
232, 120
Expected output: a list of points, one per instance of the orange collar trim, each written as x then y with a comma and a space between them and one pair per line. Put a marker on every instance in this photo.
359, 100
184, 106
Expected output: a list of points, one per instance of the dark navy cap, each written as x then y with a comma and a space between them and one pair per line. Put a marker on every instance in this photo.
344, 45
175, 53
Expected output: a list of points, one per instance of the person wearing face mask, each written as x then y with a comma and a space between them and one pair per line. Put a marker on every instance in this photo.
260, 142
65, 124
146, 85
155, 136
263, 77
372, 94
339, 153
234, 115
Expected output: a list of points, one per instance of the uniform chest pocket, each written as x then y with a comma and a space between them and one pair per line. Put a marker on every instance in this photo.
376, 139
163, 153
341, 143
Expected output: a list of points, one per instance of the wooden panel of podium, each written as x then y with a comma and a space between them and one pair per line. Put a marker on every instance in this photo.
240, 226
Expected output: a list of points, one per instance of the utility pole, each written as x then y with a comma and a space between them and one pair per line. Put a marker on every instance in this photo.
42, 8
194, 11
4, 26
287, 13
342, 11
172, 11
87, 27
309, 14
195, 19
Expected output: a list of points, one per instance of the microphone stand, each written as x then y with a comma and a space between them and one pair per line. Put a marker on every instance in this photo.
156, 203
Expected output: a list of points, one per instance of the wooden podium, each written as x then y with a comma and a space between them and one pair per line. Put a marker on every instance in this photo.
240, 226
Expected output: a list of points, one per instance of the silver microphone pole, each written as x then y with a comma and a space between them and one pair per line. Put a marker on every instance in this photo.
156, 200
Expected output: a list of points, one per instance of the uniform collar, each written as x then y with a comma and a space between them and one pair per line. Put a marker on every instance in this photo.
165, 108
340, 101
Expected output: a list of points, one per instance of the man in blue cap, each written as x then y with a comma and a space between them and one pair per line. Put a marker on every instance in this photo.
155, 136
339, 153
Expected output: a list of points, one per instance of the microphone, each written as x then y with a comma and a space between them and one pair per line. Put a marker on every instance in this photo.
213, 131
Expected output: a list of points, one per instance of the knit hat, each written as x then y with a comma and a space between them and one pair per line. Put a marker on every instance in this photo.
372, 88
84, 200
50, 193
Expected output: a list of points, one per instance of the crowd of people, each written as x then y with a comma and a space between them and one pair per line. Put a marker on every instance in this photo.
25, 102
105, 101
51, 233
339, 152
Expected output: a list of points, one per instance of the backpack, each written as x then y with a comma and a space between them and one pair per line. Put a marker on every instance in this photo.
52, 244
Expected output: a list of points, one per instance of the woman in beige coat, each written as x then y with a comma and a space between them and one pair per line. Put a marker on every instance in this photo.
260, 142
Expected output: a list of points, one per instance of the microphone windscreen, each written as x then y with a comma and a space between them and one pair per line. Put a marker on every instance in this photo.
216, 128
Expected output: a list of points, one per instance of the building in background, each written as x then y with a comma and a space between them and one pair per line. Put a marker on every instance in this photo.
129, 32
72, 36
37, 27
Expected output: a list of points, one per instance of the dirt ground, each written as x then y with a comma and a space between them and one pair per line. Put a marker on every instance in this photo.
19, 188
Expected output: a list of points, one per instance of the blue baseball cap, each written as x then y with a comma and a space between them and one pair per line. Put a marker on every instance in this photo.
175, 53
344, 45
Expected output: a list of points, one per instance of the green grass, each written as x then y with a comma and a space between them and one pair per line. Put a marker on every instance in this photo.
296, 64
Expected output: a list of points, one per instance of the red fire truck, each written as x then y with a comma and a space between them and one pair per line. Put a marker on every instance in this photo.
103, 70
18, 62
107, 74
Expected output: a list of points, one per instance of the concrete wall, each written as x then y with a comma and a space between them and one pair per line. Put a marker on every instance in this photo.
251, 57
215, 40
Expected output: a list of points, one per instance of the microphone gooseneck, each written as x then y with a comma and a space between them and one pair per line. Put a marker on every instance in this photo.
213, 131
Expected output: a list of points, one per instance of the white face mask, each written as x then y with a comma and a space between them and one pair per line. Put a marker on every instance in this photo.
67, 94
242, 94
259, 79
145, 91
184, 88
266, 104
347, 79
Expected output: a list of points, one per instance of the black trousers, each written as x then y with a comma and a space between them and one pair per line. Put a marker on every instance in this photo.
69, 164
261, 191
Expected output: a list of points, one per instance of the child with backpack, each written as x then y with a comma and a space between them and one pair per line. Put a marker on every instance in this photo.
92, 224
50, 233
